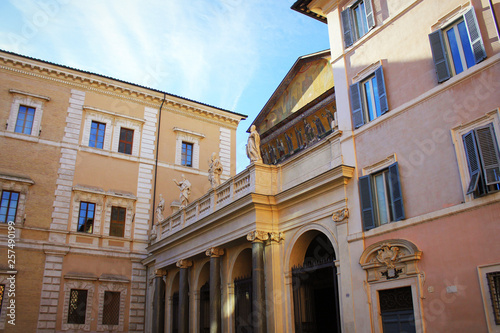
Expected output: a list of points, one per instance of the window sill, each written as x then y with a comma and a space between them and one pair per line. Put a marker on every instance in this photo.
25, 137
109, 153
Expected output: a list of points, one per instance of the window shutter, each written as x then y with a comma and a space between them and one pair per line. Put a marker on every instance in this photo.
472, 160
474, 35
370, 17
382, 95
440, 56
346, 26
397, 196
356, 105
365, 192
488, 150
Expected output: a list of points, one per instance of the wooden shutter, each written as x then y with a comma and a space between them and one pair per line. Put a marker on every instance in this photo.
488, 150
440, 56
356, 105
382, 96
474, 35
347, 27
397, 196
472, 160
370, 16
365, 192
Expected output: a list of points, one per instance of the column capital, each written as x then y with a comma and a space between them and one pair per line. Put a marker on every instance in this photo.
257, 236
276, 236
184, 263
160, 272
214, 252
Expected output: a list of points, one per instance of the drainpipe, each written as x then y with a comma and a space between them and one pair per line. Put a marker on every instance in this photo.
156, 159
494, 18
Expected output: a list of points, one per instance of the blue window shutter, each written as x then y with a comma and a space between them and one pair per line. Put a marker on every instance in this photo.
397, 195
356, 105
347, 27
475, 35
488, 150
382, 95
472, 160
440, 56
365, 192
370, 18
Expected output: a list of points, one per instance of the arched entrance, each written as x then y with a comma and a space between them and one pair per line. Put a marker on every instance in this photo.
315, 286
242, 279
174, 301
204, 297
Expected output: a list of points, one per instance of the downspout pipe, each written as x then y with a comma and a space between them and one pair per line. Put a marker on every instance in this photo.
494, 18
156, 160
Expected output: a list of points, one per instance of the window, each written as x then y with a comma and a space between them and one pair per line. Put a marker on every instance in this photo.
86, 217
357, 20
111, 308
381, 197
187, 154
457, 46
25, 117
483, 160
126, 141
8, 206
97, 131
368, 98
396, 310
117, 225
494, 286
77, 306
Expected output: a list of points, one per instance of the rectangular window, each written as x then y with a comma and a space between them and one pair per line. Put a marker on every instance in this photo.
494, 286
86, 217
368, 98
483, 160
24, 122
357, 20
396, 310
126, 141
381, 197
77, 306
111, 308
117, 225
187, 154
97, 131
457, 46
8, 206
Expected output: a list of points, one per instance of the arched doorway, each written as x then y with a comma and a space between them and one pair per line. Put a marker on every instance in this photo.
174, 301
315, 286
242, 279
204, 306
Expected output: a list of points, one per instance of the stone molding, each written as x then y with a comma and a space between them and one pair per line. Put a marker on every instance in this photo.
257, 236
184, 263
112, 287
340, 215
390, 258
215, 252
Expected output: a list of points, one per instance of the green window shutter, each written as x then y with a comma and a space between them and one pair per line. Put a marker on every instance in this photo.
488, 151
382, 95
356, 105
440, 56
365, 192
472, 160
370, 17
396, 193
475, 35
347, 27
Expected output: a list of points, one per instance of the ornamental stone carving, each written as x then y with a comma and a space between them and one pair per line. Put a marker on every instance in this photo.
184, 263
214, 252
390, 259
276, 237
257, 236
341, 215
160, 272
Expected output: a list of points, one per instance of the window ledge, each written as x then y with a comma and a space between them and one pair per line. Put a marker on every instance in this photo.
109, 153
25, 137
15, 91
199, 135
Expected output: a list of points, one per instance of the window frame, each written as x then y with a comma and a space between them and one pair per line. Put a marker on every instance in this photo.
21, 98
119, 287
348, 21
187, 154
71, 310
9, 204
94, 138
82, 285
24, 127
86, 229
183, 135
116, 222
20, 185
489, 307
126, 144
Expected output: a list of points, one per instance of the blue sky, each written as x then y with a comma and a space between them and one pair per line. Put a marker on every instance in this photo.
228, 53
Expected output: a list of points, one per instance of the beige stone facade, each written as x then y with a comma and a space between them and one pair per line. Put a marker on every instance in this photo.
84, 161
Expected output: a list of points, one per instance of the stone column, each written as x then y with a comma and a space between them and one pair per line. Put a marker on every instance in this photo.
259, 320
184, 295
275, 283
158, 324
215, 307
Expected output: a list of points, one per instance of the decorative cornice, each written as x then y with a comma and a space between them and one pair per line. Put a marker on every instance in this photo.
214, 252
15, 91
258, 236
340, 215
199, 135
114, 114
184, 263
276, 236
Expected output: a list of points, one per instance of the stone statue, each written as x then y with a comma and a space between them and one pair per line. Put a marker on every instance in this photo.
160, 208
253, 146
214, 170
185, 188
